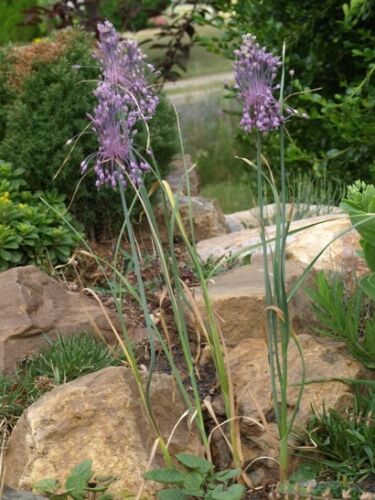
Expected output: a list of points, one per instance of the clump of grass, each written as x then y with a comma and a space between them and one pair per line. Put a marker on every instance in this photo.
61, 361
345, 441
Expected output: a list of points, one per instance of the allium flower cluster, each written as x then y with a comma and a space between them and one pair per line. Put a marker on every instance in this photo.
124, 100
255, 71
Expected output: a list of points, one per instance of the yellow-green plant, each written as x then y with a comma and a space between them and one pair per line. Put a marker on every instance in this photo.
30, 232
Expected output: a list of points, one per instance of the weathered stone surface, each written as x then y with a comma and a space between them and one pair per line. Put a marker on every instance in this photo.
324, 359
98, 417
33, 305
238, 295
176, 177
302, 246
208, 218
10, 494
249, 219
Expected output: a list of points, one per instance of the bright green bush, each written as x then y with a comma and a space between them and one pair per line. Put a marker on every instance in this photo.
30, 232
50, 107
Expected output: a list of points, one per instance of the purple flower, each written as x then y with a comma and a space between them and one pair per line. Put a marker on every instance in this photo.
255, 71
124, 100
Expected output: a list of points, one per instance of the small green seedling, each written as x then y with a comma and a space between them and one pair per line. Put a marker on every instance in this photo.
197, 480
80, 483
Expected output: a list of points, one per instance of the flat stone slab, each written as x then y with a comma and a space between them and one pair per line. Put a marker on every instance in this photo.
312, 236
238, 299
33, 305
249, 219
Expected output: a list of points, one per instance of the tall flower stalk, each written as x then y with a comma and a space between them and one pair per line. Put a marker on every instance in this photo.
125, 100
255, 73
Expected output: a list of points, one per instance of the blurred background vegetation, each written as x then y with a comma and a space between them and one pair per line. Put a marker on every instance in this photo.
330, 55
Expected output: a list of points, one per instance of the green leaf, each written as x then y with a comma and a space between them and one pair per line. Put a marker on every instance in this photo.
171, 494
234, 492
226, 475
193, 481
305, 472
5, 255
369, 254
46, 485
167, 476
78, 479
196, 463
368, 285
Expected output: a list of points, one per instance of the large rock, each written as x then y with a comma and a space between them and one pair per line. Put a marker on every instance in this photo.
312, 236
208, 218
238, 299
98, 417
324, 359
33, 305
249, 219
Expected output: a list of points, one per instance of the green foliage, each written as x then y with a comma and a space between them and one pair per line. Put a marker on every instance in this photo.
321, 489
11, 18
345, 317
336, 140
346, 441
360, 205
197, 480
51, 108
30, 232
63, 360
79, 485
128, 14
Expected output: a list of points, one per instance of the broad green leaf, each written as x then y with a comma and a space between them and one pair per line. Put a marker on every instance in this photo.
226, 475
78, 479
193, 481
167, 476
369, 338
171, 494
196, 463
369, 254
234, 492
368, 285
46, 485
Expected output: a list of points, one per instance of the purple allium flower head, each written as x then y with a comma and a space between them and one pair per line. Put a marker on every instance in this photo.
124, 99
255, 71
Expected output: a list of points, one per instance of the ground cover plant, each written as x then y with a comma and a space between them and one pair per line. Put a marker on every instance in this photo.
61, 361
30, 232
345, 441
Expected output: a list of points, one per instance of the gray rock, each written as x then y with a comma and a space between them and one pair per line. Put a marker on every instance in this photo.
10, 494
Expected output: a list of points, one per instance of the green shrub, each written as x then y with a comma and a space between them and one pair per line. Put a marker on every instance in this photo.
11, 18
30, 232
127, 14
51, 107
330, 48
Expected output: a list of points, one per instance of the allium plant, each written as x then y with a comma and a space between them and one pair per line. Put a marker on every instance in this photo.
255, 73
124, 100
